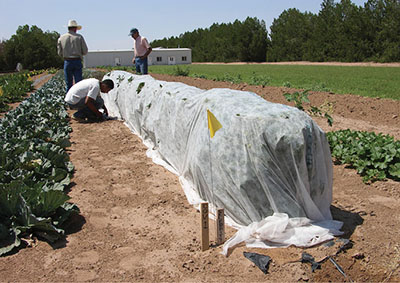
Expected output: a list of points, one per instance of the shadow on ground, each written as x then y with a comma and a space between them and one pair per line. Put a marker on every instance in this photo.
350, 220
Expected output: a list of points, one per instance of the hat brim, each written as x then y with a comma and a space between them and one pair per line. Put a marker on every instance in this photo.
77, 27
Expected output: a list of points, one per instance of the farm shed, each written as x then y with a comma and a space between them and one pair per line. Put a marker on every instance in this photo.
159, 56
96, 58
170, 56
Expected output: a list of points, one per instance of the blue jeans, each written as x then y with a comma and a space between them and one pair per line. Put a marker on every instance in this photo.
84, 111
141, 65
72, 71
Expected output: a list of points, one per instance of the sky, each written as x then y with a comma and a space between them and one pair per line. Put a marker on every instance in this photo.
106, 24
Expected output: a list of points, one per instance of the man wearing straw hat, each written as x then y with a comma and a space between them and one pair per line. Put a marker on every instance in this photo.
72, 46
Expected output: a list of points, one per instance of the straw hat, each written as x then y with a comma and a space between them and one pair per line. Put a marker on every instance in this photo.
74, 24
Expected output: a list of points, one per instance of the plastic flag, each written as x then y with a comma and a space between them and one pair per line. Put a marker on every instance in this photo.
213, 124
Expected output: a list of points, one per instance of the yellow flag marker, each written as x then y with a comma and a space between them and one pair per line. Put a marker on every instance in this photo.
213, 124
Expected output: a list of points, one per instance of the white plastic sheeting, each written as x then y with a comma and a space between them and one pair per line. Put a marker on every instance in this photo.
269, 166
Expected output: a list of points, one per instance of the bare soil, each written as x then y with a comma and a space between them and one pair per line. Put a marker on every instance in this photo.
136, 225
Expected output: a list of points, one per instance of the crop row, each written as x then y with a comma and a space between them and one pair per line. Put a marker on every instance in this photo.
13, 87
374, 156
35, 168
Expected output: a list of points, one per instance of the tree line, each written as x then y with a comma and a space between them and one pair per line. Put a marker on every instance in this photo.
340, 31
31, 47
237, 41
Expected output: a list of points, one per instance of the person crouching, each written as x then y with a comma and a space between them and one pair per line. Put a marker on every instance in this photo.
85, 97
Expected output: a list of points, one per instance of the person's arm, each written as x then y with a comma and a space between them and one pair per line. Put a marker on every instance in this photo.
59, 48
90, 104
84, 47
147, 53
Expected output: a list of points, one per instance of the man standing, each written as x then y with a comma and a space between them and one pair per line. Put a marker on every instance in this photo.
142, 50
72, 46
85, 97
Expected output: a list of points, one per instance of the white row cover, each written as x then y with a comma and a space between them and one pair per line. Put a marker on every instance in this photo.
269, 166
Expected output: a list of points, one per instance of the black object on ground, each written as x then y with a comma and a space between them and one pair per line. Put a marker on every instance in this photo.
261, 261
305, 257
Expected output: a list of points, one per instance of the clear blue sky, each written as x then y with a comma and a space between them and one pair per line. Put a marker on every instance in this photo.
106, 24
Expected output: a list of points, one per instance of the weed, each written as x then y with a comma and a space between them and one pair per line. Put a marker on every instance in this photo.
287, 84
181, 71
300, 97
230, 78
259, 80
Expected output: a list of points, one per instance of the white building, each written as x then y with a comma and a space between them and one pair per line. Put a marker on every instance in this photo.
170, 56
159, 56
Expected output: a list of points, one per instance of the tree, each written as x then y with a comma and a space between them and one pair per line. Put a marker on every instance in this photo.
33, 48
384, 17
253, 40
2, 61
350, 45
237, 41
290, 34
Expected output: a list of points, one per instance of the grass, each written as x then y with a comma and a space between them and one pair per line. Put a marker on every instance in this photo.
383, 82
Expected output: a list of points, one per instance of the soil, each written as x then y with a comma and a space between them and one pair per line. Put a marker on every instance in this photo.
136, 225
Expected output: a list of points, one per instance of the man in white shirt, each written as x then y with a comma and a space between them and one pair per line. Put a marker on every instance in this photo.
85, 97
142, 50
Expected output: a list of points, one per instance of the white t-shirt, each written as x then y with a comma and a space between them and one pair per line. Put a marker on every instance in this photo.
87, 87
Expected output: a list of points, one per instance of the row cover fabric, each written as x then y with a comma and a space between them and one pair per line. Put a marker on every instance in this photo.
269, 166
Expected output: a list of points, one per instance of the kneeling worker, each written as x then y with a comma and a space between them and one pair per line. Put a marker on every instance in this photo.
85, 97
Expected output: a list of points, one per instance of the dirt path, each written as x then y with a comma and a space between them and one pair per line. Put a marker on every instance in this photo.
136, 225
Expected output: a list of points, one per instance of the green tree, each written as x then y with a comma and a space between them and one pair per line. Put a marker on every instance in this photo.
326, 31
33, 48
384, 17
349, 44
237, 41
253, 40
2, 60
290, 34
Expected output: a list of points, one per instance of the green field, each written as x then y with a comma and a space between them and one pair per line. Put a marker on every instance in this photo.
368, 81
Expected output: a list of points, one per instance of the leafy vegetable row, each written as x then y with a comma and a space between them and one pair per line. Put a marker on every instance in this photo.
35, 168
13, 88
374, 156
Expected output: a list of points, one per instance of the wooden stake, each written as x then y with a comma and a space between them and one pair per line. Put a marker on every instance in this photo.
220, 221
205, 240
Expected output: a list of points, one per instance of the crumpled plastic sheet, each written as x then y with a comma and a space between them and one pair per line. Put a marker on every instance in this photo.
269, 166
260, 260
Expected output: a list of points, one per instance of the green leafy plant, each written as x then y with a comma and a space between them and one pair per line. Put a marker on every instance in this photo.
139, 88
119, 80
35, 168
227, 77
259, 80
13, 88
200, 76
181, 71
287, 84
302, 97
374, 156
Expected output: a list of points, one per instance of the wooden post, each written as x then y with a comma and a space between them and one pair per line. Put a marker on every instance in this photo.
220, 222
205, 241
